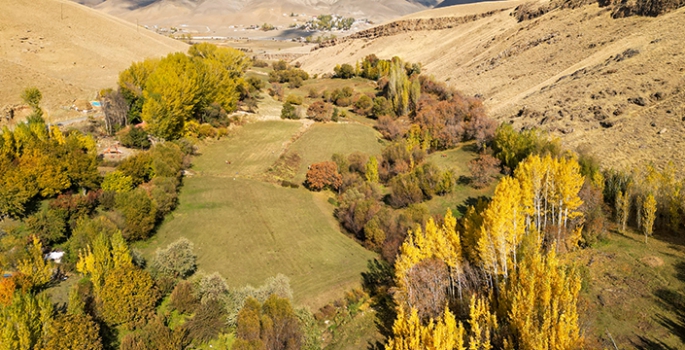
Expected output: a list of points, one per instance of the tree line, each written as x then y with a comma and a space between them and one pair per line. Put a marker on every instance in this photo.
204, 86
493, 279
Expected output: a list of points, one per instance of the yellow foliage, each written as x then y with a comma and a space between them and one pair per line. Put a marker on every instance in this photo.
648, 215
442, 243
541, 301
410, 334
482, 323
56, 134
37, 270
105, 255
503, 228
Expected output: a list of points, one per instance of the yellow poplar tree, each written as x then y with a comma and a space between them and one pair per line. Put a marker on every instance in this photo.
37, 270
482, 324
410, 334
502, 230
442, 243
648, 215
541, 302
105, 255
372, 170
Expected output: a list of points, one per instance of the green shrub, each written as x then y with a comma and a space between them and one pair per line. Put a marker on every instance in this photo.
289, 112
294, 99
139, 213
345, 71
134, 137
206, 131
259, 63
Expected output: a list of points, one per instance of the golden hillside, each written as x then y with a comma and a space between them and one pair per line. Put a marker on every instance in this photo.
614, 86
67, 50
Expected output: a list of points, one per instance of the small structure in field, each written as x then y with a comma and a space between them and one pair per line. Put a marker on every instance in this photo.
55, 256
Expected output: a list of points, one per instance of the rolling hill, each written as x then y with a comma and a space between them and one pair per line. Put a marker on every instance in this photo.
615, 86
67, 50
222, 13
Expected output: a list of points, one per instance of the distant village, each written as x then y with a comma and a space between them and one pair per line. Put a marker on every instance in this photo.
311, 24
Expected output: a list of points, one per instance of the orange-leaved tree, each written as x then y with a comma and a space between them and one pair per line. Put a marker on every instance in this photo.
323, 175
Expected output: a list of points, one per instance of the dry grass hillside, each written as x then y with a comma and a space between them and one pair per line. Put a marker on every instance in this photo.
216, 14
67, 50
613, 86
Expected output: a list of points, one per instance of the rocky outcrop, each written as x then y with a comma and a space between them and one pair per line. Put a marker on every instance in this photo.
408, 25
618, 8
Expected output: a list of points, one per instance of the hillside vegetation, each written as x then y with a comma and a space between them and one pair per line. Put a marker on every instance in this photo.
614, 86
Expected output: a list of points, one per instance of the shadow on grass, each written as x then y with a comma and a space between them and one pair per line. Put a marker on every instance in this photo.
377, 281
649, 344
471, 202
673, 301
676, 239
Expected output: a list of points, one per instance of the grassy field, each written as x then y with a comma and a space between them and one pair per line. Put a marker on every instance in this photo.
360, 85
633, 291
250, 151
321, 141
457, 159
249, 230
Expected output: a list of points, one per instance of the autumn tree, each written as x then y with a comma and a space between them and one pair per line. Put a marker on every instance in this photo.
273, 325
135, 137
323, 175
521, 295
208, 321
138, 211
105, 255
289, 112
248, 332
164, 194
542, 300
23, 321
483, 170
32, 97
405, 190
117, 181
71, 332
622, 209
37, 270
183, 298
363, 105
48, 225
171, 93
320, 111
345, 71
168, 92
115, 109
7, 288
127, 297
371, 170
648, 214
409, 333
